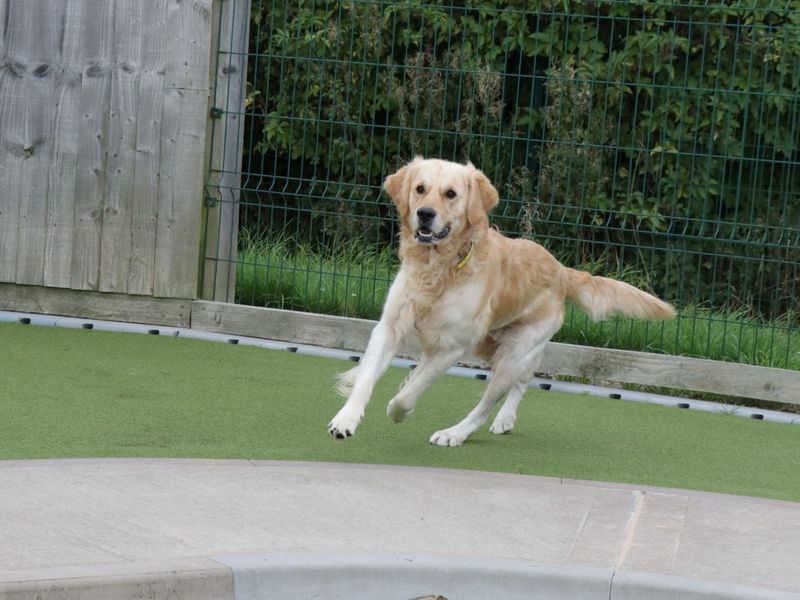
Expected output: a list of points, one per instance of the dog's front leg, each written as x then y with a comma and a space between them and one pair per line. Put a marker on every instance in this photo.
383, 345
430, 367
384, 342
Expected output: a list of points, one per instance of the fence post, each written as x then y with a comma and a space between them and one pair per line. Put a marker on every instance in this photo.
226, 130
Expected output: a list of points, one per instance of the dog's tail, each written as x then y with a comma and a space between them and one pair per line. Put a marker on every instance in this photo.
601, 298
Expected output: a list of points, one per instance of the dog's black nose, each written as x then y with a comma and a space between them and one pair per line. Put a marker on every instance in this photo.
425, 214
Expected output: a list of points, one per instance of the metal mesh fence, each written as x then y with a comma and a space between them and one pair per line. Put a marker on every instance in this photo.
656, 142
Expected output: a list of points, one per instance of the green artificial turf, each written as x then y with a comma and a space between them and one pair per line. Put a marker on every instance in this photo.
81, 393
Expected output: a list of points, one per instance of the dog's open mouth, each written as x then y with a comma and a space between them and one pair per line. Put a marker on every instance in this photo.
425, 236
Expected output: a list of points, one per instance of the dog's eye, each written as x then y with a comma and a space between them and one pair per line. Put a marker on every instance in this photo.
420, 189
450, 194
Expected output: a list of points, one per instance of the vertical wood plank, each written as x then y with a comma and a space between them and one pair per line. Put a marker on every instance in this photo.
180, 193
183, 136
149, 107
3, 15
95, 89
46, 22
224, 180
64, 154
115, 246
30, 42
188, 51
9, 207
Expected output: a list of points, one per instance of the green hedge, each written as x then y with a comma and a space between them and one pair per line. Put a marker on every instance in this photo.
661, 135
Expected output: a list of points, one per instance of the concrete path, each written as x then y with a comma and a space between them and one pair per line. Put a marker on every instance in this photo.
190, 529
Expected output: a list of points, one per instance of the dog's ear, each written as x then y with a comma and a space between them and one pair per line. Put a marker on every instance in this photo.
396, 185
483, 197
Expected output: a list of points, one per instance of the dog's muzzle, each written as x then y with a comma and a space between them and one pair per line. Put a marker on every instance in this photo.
426, 236
425, 233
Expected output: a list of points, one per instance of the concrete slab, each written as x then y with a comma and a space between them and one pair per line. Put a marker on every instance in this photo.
73, 514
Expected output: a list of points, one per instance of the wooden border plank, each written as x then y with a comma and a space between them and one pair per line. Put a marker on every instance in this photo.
285, 325
97, 305
620, 366
678, 372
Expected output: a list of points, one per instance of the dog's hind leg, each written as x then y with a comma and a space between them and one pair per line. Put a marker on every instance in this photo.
504, 379
515, 361
507, 415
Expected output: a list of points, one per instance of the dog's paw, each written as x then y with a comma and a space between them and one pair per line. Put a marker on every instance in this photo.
343, 425
448, 437
397, 412
503, 424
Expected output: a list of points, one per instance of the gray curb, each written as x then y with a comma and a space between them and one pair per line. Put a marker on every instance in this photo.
360, 577
177, 579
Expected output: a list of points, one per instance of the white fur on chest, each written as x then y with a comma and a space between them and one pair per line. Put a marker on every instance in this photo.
454, 318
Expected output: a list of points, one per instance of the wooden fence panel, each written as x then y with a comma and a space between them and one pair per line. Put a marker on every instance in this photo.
103, 120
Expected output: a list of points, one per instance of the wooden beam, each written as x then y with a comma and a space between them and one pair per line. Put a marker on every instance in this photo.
98, 305
286, 325
619, 366
226, 135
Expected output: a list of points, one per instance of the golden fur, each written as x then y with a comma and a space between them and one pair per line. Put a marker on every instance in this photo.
464, 285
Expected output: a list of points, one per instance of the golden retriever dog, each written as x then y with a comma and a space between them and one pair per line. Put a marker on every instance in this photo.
463, 285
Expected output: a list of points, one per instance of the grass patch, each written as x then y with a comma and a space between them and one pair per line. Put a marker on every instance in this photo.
354, 281
78, 393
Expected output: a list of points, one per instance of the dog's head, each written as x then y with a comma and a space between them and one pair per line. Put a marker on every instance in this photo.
439, 200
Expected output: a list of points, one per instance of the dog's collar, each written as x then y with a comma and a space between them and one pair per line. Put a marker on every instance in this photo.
463, 262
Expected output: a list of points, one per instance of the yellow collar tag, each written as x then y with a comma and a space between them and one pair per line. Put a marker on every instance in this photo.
462, 263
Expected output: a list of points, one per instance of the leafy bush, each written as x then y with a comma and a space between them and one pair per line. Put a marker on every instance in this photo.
661, 135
